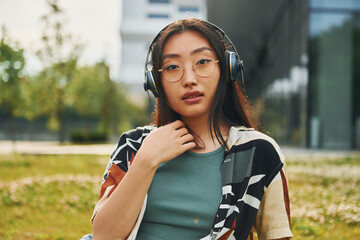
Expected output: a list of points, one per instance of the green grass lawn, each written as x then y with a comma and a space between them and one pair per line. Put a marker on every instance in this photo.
48, 197
52, 196
325, 198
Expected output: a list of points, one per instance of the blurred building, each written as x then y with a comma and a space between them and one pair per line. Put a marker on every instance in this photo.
141, 21
302, 66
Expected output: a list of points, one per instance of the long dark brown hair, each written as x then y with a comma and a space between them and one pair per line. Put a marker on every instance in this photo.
230, 106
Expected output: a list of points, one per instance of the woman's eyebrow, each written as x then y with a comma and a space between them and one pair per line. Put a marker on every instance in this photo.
171, 55
198, 50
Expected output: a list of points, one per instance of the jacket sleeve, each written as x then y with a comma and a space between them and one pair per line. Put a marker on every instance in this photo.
119, 163
273, 218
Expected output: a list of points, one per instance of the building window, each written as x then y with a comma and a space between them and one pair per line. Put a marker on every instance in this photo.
159, 1
189, 9
158, 15
334, 67
335, 4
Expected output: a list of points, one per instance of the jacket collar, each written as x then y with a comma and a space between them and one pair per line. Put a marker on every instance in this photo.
235, 134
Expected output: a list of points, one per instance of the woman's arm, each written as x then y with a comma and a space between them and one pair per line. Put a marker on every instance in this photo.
117, 216
273, 218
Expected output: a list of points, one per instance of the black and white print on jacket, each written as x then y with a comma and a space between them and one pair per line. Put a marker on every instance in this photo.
251, 162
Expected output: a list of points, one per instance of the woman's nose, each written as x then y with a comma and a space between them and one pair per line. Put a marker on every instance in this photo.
189, 76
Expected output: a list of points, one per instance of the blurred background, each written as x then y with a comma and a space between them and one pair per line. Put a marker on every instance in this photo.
74, 70
71, 75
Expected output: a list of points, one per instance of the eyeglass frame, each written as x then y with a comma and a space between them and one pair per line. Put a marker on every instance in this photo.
183, 67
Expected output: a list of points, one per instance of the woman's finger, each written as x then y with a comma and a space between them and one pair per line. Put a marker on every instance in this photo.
187, 138
182, 131
177, 124
188, 146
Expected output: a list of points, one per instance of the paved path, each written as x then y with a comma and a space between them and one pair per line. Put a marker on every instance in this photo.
293, 153
36, 147
39, 147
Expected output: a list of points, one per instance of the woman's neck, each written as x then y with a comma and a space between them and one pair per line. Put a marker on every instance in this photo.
202, 131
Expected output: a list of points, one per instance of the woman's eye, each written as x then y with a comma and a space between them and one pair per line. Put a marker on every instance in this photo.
203, 61
171, 67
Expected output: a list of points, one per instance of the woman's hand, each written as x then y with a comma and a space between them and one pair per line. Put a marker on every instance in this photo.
166, 143
118, 214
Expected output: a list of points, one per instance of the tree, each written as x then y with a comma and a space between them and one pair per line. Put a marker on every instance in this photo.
59, 55
12, 63
92, 93
86, 91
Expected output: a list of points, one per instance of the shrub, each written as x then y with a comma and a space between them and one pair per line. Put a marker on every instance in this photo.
83, 135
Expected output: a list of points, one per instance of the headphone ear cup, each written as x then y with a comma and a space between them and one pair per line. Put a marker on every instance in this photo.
235, 66
150, 84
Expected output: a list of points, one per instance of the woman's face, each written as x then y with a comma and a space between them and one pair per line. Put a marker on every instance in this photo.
192, 95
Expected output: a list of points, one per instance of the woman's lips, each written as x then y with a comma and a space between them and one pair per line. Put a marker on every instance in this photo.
192, 96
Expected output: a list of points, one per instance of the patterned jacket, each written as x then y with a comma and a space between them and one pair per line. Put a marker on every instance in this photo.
254, 186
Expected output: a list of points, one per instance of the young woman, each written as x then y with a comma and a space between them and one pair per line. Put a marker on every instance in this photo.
200, 171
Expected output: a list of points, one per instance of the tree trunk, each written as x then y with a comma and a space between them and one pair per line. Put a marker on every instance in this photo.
62, 134
13, 133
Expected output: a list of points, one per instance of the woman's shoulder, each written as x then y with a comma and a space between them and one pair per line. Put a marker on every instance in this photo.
134, 136
138, 132
240, 136
130, 141
245, 134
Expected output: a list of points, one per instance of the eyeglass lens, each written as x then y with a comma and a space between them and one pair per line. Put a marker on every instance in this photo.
174, 71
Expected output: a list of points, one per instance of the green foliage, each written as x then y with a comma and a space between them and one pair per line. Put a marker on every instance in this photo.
92, 93
59, 55
12, 63
11, 74
11, 77
31, 92
86, 90
62, 84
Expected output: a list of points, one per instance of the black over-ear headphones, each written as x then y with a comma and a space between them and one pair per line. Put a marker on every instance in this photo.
234, 63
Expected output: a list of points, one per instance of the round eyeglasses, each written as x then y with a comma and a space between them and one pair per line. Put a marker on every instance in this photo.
173, 72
